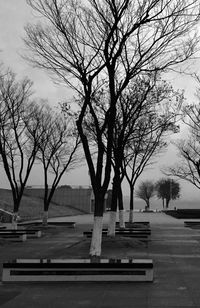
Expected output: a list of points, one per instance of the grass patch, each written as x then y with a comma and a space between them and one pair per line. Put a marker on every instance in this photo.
32, 208
184, 213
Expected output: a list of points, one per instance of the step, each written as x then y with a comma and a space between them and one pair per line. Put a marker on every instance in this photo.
53, 270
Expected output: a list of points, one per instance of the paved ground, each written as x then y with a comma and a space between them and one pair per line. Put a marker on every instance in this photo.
174, 249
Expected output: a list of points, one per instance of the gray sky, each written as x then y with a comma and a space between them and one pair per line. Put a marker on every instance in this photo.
14, 14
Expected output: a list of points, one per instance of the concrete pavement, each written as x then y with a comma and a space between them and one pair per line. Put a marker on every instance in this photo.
174, 249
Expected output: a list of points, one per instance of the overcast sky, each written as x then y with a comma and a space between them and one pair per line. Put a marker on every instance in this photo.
14, 14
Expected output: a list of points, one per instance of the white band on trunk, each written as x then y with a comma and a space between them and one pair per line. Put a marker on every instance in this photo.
95, 247
121, 219
112, 222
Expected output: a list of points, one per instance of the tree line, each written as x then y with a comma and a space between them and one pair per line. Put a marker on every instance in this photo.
32, 132
165, 189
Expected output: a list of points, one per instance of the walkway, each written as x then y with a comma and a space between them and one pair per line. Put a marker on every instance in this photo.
174, 249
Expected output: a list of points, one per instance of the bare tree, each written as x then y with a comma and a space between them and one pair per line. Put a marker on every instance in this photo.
188, 165
58, 145
17, 154
145, 192
90, 44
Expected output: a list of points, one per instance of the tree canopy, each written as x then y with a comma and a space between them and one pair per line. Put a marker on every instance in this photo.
145, 191
167, 189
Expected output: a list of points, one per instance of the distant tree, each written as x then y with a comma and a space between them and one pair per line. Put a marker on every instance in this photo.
167, 189
17, 154
145, 192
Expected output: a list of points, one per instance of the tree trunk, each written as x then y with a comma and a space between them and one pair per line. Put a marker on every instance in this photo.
14, 220
121, 208
120, 198
15, 212
112, 218
48, 195
95, 246
45, 218
147, 207
131, 204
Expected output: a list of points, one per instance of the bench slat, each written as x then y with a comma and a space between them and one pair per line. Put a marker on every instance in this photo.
68, 224
29, 234
14, 237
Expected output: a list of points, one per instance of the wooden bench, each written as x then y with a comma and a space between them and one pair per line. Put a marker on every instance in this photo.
134, 227
29, 233
139, 235
135, 224
2, 227
133, 230
21, 237
69, 224
192, 224
36, 270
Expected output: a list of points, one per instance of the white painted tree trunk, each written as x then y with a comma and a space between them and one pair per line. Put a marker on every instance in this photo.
121, 219
45, 218
14, 221
131, 216
111, 225
95, 247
